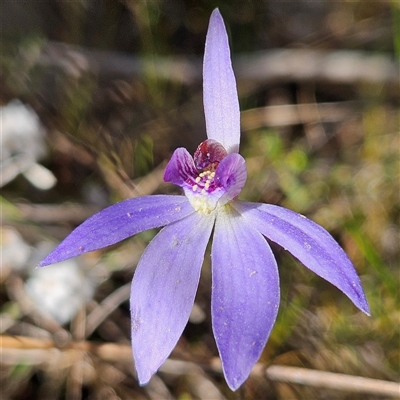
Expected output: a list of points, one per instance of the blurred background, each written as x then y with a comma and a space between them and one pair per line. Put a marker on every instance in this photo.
95, 95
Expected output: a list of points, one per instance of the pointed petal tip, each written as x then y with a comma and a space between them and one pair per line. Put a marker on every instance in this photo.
144, 377
357, 296
51, 259
234, 384
365, 308
42, 264
235, 379
359, 300
216, 14
144, 372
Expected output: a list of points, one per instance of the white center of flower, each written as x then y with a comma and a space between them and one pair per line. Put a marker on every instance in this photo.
202, 205
201, 194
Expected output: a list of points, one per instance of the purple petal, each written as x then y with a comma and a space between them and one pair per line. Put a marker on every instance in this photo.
245, 295
180, 168
163, 290
231, 174
308, 242
118, 222
221, 104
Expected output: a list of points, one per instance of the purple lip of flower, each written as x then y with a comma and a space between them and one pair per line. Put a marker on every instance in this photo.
245, 282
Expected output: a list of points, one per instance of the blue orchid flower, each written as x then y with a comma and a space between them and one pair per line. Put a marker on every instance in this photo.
245, 281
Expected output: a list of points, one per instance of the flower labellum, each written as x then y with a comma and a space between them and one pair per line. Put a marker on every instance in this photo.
245, 281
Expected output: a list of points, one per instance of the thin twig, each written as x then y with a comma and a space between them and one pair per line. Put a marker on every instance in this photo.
203, 388
15, 349
16, 292
341, 66
330, 380
292, 114
51, 213
106, 307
